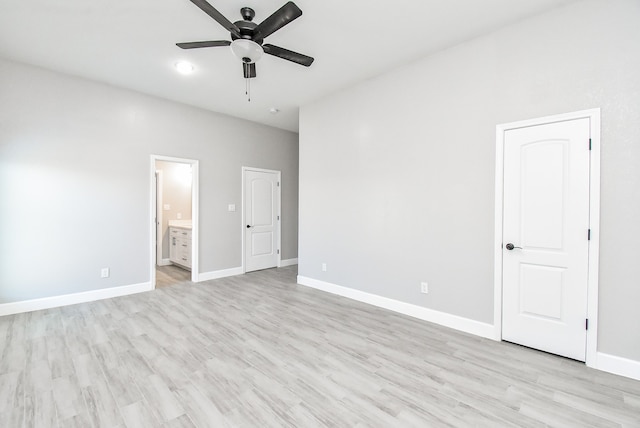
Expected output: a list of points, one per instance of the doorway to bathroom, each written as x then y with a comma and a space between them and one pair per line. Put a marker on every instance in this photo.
174, 220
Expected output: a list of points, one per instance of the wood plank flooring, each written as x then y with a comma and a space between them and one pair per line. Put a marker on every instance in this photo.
257, 350
171, 275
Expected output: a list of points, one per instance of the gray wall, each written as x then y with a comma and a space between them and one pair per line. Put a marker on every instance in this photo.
397, 174
75, 175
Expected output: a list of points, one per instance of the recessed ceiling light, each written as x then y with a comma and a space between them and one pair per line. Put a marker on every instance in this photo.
274, 110
184, 67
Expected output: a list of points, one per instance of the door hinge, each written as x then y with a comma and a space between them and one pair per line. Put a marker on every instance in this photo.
278, 184
278, 218
586, 324
278, 251
589, 235
589, 143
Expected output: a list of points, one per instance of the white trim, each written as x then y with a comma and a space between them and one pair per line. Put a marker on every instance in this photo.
165, 262
72, 299
243, 229
448, 320
594, 243
288, 262
195, 207
497, 232
594, 223
159, 210
195, 221
618, 365
206, 276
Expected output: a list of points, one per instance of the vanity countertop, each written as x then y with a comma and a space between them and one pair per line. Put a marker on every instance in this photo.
183, 224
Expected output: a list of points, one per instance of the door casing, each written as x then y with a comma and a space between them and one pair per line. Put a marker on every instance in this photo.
594, 221
159, 204
195, 192
279, 210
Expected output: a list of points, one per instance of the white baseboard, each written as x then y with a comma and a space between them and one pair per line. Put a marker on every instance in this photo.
442, 318
288, 262
164, 262
604, 362
618, 365
206, 276
72, 299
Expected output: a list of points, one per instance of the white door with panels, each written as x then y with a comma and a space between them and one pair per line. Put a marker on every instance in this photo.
545, 251
261, 219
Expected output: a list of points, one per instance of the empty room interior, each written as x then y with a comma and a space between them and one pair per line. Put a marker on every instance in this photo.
230, 213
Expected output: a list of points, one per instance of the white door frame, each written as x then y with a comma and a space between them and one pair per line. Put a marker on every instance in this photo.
279, 209
195, 192
594, 222
159, 204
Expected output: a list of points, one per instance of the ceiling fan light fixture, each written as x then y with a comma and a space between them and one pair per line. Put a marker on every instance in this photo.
247, 50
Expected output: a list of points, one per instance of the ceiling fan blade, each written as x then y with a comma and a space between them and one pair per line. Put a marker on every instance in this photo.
278, 19
220, 19
209, 44
249, 70
292, 56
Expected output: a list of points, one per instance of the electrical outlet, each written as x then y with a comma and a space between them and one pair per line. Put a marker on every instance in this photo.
424, 287
324, 267
179, 216
104, 273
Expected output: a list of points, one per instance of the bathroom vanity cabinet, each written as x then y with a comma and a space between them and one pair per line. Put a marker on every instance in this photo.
180, 246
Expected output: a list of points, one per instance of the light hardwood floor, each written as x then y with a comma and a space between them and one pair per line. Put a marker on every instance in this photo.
257, 350
167, 276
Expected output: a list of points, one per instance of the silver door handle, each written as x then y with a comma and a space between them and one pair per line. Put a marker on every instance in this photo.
510, 246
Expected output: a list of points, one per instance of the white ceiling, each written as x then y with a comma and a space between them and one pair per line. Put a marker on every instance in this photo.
131, 44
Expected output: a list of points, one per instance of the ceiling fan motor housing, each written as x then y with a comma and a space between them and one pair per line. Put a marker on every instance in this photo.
247, 27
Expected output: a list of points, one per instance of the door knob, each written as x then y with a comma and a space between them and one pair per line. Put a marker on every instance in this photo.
248, 226
510, 246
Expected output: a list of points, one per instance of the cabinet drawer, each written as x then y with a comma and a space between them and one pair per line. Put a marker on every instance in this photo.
184, 259
179, 233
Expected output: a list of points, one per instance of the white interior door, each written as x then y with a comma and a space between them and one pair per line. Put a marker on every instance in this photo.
545, 236
261, 212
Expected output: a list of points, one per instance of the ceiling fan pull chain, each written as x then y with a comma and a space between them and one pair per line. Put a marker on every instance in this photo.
248, 90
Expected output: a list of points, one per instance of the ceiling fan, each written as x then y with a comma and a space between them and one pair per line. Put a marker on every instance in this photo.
248, 37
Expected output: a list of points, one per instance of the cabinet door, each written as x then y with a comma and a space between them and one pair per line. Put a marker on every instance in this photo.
180, 246
184, 251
